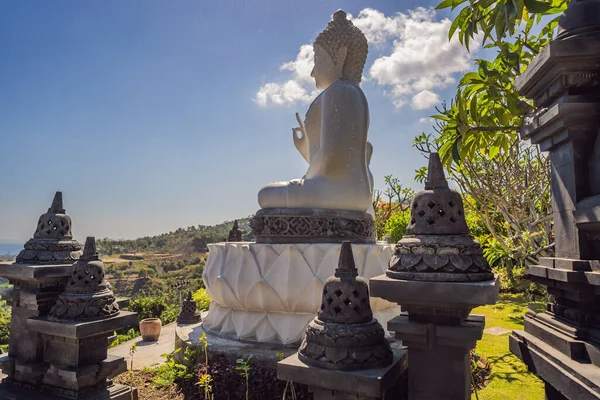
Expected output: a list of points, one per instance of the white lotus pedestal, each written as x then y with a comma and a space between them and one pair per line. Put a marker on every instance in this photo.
270, 292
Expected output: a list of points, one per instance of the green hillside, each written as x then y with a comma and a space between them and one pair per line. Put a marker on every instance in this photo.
186, 241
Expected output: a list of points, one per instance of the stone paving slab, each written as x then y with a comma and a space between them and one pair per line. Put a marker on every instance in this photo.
496, 331
147, 353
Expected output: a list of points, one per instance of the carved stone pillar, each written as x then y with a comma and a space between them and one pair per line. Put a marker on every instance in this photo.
560, 344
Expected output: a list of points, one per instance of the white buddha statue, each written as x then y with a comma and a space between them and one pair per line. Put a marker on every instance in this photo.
333, 136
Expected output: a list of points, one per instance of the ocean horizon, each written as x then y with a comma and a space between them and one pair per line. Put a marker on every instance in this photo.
10, 249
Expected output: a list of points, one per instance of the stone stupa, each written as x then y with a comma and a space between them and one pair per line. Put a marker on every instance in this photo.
87, 294
52, 242
437, 245
344, 335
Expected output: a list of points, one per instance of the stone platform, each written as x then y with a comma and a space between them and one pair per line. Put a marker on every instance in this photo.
114, 392
269, 293
366, 383
231, 350
228, 349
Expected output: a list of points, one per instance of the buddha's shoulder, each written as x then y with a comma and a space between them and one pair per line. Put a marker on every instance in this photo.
345, 88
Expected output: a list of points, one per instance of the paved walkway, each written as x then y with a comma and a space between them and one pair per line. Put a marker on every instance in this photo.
147, 353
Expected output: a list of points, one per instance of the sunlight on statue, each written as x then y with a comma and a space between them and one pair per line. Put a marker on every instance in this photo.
333, 136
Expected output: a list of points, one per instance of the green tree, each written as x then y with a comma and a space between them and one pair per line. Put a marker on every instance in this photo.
395, 197
506, 180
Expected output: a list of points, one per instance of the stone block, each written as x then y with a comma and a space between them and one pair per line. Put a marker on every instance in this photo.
111, 392
450, 367
566, 344
428, 335
75, 352
78, 330
370, 382
430, 293
575, 380
571, 264
14, 271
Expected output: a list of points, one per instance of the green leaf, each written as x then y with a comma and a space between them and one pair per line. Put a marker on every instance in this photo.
444, 4
500, 23
455, 152
453, 27
537, 6
473, 108
470, 77
494, 150
440, 117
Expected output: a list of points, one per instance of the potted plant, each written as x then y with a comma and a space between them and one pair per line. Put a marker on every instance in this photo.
150, 329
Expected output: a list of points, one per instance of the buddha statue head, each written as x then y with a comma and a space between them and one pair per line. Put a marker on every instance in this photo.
340, 52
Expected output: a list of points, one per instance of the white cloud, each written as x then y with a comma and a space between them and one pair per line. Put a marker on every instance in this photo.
377, 27
283, 94
422, 59
300, 89
417, 61
302, 66
425, 99
424, 120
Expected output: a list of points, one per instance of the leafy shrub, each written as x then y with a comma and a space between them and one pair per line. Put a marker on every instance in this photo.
173, 371
122, 338
146, 272
154, 307
4, 323
396, 225
202, 299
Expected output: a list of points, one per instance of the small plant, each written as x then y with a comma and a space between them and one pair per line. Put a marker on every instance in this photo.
205, 382
132, 351
166, 374
244, 367
480, 371
203, 341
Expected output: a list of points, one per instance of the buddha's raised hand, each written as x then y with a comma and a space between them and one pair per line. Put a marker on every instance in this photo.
301, 138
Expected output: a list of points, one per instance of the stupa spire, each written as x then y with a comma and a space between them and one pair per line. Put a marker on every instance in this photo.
346, 268
57, 204
89, 251
436, 179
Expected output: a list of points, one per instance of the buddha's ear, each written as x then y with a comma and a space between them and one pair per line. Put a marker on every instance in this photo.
340, 57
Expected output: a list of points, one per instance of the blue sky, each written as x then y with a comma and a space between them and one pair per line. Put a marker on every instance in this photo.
145, 114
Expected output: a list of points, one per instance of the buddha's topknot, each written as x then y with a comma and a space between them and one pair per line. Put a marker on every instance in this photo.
341, 32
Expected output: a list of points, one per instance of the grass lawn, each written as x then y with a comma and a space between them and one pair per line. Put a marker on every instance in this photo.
509, 377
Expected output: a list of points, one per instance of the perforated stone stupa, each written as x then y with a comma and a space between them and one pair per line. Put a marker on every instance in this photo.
344, 335
189, 311
235, 234
52, 242
437, 245
87, 294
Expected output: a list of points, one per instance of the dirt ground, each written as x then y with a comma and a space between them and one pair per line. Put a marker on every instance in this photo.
147, 390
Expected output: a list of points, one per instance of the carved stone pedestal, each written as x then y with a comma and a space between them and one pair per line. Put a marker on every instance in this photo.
111, 392
327, 384
438, 331
562, 344
76, 354
270, 292
35, 290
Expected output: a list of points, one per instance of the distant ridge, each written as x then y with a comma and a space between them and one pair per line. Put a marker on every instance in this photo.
192, 239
